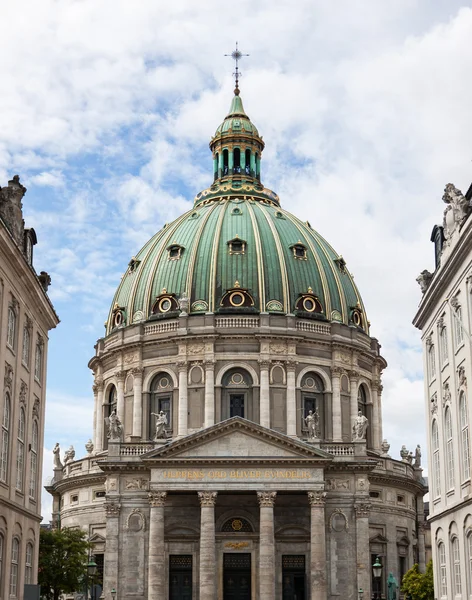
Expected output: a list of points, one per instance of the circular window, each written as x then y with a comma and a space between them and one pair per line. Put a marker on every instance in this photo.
236, 299
237, 378
164, 382
237, 525
309, 305
165, 305
310, 382
118, 318
356, 317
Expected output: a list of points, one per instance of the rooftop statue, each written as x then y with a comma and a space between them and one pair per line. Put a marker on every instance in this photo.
359, 429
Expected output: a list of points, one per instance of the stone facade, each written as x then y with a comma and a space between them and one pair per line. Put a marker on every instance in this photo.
444, 318
26, 316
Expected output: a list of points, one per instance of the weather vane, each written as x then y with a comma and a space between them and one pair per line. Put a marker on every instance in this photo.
236, 55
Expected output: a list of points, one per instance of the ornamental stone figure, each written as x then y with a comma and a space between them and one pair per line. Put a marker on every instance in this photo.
392, 586
456, 211
69, 455
161, 422
359, 429
57, 456
418, 456
312, 421
404, 453
424, 279
115, 428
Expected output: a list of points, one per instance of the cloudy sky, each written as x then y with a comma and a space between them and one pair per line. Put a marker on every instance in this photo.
107, 107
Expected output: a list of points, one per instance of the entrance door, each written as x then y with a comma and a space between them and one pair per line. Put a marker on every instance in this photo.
236, 577
180, 577
236, 405
293, 577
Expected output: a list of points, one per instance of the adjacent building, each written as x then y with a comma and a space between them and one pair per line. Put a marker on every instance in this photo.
237, 446
445, 319
26, 316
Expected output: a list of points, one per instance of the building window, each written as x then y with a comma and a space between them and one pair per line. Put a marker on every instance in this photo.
11, 327
436, 463
469, 556
161, 401
449, 449
443, 345
5, 438
2, 545
442, 570
459, 332
20, 451
33, 460
457, 566
464, 437
431, 362
25, 354
15, 551
29, 563
38, 361
299, 251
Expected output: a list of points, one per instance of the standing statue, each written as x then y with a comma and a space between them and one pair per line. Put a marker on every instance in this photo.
392, 586
312, 421
161, 422
418, 456
115, 428
359, 429
57, 456
457, 209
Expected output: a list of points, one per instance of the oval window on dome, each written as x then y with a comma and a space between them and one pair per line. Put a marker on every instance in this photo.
309, 304
236, 299
165, 305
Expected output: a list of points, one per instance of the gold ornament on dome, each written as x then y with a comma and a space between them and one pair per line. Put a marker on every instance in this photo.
237, 525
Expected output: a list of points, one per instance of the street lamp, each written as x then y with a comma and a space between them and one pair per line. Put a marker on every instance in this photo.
91, 570
377, 572
113, 593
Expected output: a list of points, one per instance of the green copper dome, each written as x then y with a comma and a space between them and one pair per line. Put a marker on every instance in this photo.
237, 251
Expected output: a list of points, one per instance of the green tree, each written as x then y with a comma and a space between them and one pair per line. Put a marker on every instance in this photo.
63, 556
419, 586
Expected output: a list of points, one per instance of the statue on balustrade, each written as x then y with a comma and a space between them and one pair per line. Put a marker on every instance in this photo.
115, 428
312, 421
161, 422
359, 429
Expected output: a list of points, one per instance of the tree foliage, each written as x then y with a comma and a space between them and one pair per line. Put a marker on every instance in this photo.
419, 586
63, 556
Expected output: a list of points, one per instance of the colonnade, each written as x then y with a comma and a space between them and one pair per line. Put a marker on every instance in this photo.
267, 575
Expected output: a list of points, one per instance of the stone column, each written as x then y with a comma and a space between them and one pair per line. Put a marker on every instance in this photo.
98, 439
111, 566
183, 399
421, 547
156, 555
209, 393
353, 381
120, 396
375, 414
265, 394
362, 547
266, 546
318, 575
96, 413
379, 412
208, 581
337, 424
137, 402
291, 399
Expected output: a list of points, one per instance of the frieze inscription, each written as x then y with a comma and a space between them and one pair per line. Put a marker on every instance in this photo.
239, 474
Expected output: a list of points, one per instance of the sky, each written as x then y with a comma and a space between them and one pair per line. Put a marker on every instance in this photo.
107, 108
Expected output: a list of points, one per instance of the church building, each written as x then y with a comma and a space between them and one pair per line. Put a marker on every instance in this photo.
237, 447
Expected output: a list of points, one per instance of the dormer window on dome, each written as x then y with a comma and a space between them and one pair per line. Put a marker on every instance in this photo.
357, 316
236, 246
118, 316
30, 240
236, 297
133, 264
341, 264
299, 251
175, 251
165, 304
309, 304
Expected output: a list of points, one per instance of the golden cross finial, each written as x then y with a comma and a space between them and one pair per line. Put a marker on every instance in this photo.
236, 55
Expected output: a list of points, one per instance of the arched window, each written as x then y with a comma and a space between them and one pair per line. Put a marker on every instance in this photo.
237, 395
5, 438
442, 569
443, 345
456, 566
464, 437
29, 563
237, 160
431, 362
162, 390
469, 556
247, 168
2, 548
362, 400
25, 354
449, 449
38, 360
459, 332
225, 163
20, 451
33, 460
312, 401
436, 462
15, 557
11, 327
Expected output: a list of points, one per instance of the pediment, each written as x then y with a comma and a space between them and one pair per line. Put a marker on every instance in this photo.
237, 438
378, 539
96, 538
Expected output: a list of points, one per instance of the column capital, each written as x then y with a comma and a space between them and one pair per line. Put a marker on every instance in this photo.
209, 364
99, 384
317, 498
95, 389
264, 364
137, 371
120, 376
182, 366
266, 498
112, 509
157, 499
207, 498
337, 371
291, 365
362, 510
353, 375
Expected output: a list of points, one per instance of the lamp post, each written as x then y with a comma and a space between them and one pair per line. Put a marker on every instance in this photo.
113, 593
377, 572
91, 570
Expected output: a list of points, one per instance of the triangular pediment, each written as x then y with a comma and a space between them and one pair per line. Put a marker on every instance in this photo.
378, 539
96, 538
237, 438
